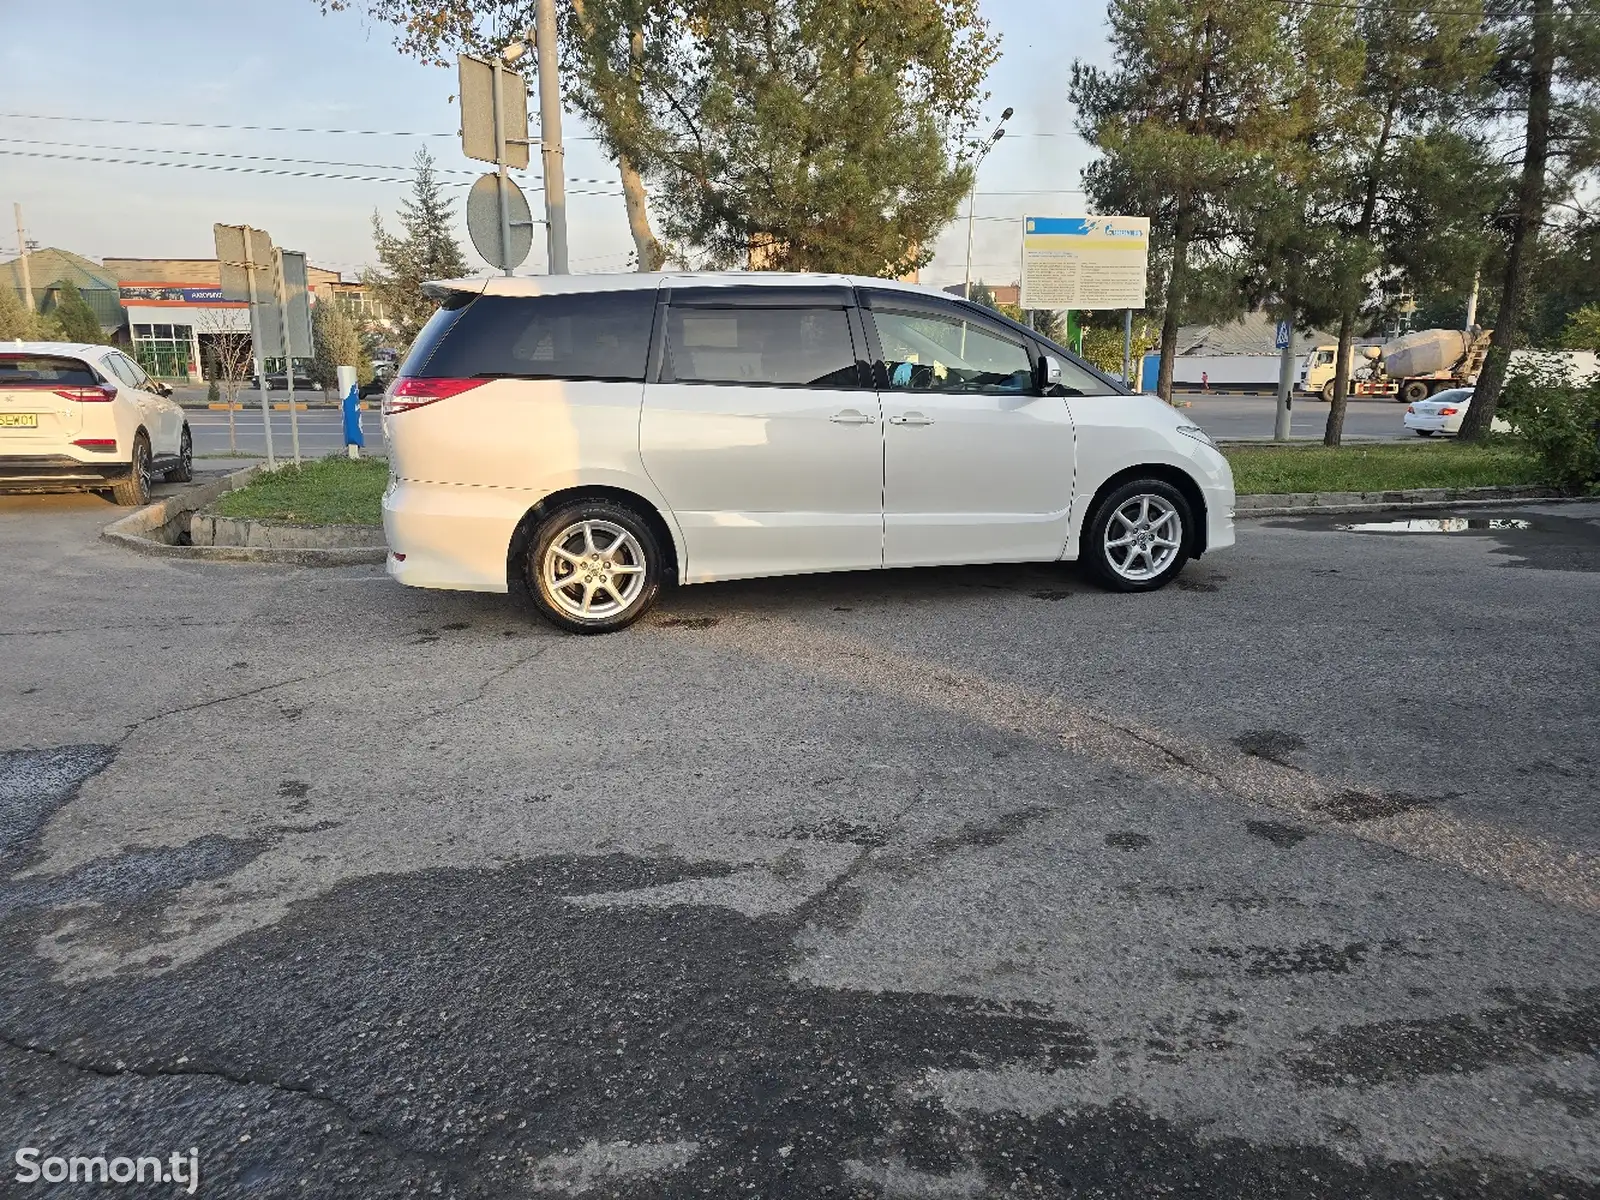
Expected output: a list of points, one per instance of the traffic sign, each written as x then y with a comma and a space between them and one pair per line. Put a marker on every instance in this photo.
483, 221
479, 80
1281, 340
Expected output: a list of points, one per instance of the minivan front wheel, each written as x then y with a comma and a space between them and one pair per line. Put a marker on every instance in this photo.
593, 567
1138, 538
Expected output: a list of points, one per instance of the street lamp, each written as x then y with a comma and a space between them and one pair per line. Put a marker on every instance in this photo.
972, 199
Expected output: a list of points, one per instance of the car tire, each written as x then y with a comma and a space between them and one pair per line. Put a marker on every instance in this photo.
1415, 390
184, 471
603, 536
1424, 432
134, 488
1327, 392
1115, 553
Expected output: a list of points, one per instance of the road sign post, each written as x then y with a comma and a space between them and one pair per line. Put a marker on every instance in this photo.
294, 327
494, 128
555, 177
1284, 341
245, 256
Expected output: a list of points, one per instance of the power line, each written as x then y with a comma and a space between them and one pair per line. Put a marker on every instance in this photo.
310, 162
250, 128
244, 170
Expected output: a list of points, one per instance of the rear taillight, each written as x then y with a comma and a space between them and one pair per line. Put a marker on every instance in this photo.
1448, 412
98, 394
408, 393
104, 445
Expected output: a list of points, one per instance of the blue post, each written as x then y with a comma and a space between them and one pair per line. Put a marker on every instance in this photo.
353, 438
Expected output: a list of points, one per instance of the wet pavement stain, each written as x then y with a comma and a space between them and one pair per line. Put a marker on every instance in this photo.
1310, 958
499, 1026
1350, 806
1274, 745
1277, 833
1127, 840
1185, 584
1524, 1028
687, 622
1547, 539
1051, 594
293, 789
838, 830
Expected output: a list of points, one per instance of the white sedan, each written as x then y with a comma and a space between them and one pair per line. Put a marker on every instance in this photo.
1442, 413
76, 417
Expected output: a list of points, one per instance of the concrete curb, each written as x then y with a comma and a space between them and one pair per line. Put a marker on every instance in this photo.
1293, 504
172, 515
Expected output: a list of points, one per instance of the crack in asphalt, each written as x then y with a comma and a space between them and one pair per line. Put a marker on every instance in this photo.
442, 1162
489, 681
228, 699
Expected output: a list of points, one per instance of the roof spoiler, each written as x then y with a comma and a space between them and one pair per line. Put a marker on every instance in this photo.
440, 289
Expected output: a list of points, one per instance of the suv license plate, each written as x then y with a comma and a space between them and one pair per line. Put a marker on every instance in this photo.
19, 420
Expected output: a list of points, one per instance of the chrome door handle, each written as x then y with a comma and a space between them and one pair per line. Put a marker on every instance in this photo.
851, 416
911, 418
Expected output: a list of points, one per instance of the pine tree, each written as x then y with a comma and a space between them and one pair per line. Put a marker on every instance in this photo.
76, 319
425, 249
1548, 73
1187, 119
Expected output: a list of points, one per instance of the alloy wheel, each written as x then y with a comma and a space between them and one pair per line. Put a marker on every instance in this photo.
1143, 537
594, 569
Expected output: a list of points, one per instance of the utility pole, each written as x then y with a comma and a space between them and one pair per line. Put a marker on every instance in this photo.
1472, 301
1280, 424
500, 159
555, 179
22, 259
972, 203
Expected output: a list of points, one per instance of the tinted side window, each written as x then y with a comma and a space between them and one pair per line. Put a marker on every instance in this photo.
594, 335
933, 353
131, 370
793, 347
118, 367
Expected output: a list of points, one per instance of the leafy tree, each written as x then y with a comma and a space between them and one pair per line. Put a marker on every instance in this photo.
798, 134
1548, 79
425, 248
336, 342
1583, 330
76, 319
1186, 120
16, 321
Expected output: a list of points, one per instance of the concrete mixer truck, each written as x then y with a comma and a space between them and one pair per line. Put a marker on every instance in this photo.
1409, 368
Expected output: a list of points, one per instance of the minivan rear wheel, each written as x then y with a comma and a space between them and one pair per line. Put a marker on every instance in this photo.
593, 566
1138, 538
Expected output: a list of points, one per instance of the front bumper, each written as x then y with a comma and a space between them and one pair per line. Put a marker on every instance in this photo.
56, 472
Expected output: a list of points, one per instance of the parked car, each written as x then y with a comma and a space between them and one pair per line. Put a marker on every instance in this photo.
1443, 413
278, 380
79, 417
596, 438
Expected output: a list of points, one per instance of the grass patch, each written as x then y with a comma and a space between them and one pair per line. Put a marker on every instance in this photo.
325, 491
1379, 467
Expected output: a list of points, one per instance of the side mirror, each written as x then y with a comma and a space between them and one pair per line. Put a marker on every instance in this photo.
1048, 372
163, 389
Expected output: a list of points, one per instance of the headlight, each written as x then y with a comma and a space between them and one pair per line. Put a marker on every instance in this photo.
1198, 434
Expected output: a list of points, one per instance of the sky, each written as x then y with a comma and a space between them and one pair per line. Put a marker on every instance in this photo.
179, 78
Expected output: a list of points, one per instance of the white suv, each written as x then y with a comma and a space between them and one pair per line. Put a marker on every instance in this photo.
76, 416
596, 437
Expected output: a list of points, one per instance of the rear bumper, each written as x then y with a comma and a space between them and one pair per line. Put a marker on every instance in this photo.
448, 536
55, 472
1432, 423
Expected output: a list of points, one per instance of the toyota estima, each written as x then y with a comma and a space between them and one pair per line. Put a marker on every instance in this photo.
598, 437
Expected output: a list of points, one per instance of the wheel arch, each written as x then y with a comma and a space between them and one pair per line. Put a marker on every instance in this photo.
647, 511
1167, 473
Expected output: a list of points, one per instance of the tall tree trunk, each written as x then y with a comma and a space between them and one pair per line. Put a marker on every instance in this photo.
1333, 432
1177, 282
650, 254
1525, 233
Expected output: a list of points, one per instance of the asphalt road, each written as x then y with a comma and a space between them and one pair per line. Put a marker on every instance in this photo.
1281, 882
322, 430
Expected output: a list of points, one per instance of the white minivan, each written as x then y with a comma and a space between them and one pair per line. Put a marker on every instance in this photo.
598, 436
